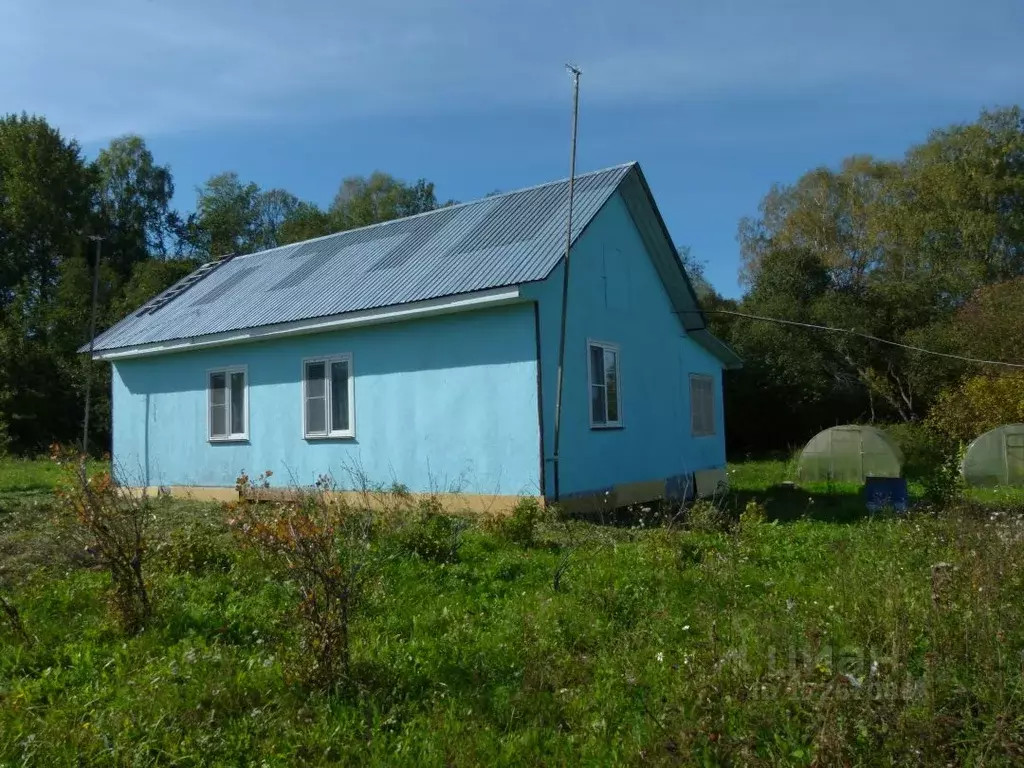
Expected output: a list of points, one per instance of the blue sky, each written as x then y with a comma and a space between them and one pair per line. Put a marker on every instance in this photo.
716, 99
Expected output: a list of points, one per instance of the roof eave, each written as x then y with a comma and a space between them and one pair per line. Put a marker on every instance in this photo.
725, 354
636, 192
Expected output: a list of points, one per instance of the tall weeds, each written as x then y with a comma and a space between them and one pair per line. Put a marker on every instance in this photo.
14, 621
110, 523
325, 546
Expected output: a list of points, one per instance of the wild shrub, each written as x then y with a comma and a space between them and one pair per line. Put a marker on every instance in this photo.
195, 550
931, 457
942, 482
672, 547
923, 448
705, 516
520, 526
753, 516
13, 617
110, 522
323, 545
431, 534
978, 404
575, 539
690, 553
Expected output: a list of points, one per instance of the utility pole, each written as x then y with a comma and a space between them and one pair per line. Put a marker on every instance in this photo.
565, 274
98, 239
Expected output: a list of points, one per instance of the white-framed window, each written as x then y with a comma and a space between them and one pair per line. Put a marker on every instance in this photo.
327, 403
603, 376
702, 405
227, 403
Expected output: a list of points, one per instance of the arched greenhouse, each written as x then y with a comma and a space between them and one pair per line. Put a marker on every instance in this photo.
996, 458
848, 454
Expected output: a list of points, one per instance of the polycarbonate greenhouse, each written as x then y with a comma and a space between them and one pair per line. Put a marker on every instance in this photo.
848, 454
996, 458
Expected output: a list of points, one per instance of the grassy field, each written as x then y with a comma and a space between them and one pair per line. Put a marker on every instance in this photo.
765, 479
30, 479
824, 637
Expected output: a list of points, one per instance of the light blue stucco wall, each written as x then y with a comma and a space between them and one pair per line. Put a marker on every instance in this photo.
617, 296
440, 403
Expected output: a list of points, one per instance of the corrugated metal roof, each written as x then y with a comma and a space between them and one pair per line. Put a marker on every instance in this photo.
499, 241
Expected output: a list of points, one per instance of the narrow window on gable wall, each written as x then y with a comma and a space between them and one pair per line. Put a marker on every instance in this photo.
702, 405
605, 396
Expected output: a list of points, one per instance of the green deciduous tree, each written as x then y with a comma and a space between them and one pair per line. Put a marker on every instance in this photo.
893, 250
236, 217
303, 222
148, 278
978, 404
362, 201
695, 271
228, 216
990, 325
273, 209
134, 202
45, 190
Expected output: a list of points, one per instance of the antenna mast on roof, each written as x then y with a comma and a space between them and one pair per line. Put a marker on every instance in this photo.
565, 273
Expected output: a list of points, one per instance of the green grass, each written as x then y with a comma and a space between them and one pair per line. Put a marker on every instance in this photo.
765, 479
772, 482
788, 643
29, 479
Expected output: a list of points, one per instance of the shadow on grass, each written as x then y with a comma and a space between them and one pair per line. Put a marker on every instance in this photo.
783, 502
787, 503
17, 501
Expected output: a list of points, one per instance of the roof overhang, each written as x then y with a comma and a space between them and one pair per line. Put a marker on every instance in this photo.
730, 360
636, 194
643, 209
441, 306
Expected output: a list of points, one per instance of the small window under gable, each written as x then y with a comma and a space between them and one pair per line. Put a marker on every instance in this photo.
702, 405
327, 389
603, 375
227, 404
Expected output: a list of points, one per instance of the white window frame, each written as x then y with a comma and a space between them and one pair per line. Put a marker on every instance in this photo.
608, 347
231, 437
711, 404
330, 434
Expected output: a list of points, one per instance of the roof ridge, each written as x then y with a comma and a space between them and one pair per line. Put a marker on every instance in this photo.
442, 208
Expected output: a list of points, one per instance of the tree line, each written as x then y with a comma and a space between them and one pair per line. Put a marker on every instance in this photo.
52, 200
926, 251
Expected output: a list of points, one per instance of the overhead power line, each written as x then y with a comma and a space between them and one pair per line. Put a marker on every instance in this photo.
852, 332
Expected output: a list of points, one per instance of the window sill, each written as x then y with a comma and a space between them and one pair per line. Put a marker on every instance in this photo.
236, 439
698, 437
606, 427
336, 436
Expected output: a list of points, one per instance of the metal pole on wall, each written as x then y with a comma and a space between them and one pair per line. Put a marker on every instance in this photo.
92, 339
565, 274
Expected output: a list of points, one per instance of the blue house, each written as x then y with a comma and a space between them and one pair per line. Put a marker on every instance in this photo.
424, 351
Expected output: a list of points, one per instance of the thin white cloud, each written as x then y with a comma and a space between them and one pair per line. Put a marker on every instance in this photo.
105, 67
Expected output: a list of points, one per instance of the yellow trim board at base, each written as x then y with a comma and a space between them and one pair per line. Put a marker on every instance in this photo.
190, 492
707, 482
454, 503
476, 504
